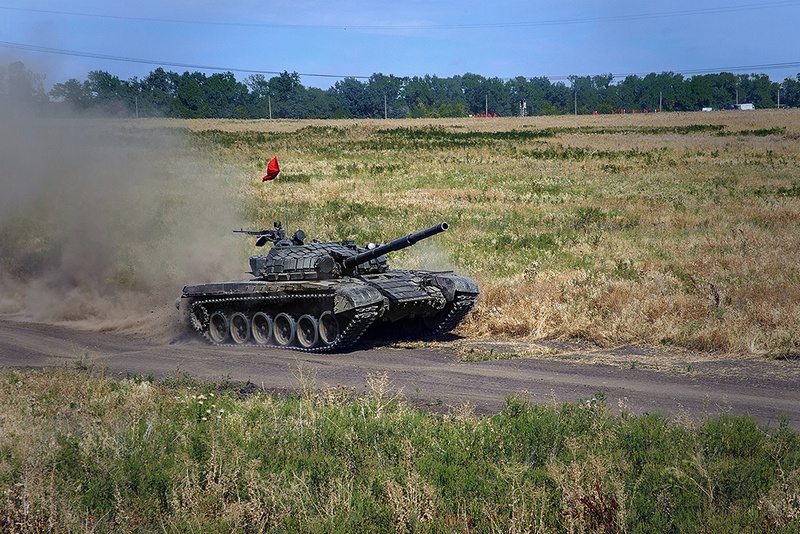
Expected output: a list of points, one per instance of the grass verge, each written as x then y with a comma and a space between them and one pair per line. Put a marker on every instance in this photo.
81, 452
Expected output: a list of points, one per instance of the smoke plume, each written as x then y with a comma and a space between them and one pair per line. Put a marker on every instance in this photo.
102, 221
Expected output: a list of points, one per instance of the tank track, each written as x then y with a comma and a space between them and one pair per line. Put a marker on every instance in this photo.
458, 309
352, 332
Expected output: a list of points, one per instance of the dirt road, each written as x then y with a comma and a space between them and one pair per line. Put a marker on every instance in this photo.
640, 379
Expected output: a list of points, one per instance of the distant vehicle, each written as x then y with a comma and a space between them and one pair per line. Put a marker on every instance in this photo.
744, 106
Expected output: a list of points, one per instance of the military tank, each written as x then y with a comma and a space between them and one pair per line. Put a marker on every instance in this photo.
322, 297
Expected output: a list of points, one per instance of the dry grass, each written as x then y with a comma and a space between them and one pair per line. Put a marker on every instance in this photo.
674, 228
732, 119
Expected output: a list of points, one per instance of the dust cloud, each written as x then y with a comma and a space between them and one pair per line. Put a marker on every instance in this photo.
102, 221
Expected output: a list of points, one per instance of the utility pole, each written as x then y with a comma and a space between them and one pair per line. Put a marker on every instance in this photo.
486, 109
576, 101
660, 96
269, 101
385, 108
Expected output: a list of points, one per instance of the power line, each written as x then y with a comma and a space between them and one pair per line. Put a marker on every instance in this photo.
74, 53
64, 52
484, 25
740, 68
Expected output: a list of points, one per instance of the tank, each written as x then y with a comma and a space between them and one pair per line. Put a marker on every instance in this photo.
322, 297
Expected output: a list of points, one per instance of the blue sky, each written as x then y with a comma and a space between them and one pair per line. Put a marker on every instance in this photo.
502, 38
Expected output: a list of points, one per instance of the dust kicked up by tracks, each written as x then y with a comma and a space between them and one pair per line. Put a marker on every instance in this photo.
101, 221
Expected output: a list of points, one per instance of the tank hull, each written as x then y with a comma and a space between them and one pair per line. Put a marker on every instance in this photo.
327, 315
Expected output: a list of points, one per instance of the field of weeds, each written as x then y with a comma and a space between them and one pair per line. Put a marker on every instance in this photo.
670, 229
82, 453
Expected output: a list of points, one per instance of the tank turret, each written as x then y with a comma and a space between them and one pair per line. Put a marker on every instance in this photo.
292, 259
323, 296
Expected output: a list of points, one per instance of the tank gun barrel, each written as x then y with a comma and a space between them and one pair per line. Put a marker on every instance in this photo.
397, 244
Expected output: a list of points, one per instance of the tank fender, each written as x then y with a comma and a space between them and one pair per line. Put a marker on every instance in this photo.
352, 297
451, 283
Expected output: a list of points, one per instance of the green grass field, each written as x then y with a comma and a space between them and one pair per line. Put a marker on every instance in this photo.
82, 453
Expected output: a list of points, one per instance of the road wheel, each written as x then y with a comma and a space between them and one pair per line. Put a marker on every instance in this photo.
283, 329
218, 329
239, 328
307, 331
328, 328
261, 328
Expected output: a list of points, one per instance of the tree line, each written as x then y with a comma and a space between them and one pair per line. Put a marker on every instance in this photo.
197, 95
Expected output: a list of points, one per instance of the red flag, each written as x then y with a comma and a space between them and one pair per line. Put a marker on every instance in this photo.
272, 170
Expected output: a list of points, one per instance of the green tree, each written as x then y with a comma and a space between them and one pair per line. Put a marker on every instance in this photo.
158, 94
585, 94
382, 96
417, 96
497, 97
517, 89
74, 93
22, 86
790, 92
558, 99
631, 93
224, 97
448, 97
164, 93
110, 94
351, 94
758, 89
725, 89
259, 97
289, 96
190, 102
474, 89
667, 90
320, 105
539, 94
105, 87
701, 91
606, 94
